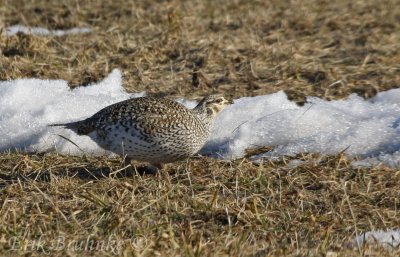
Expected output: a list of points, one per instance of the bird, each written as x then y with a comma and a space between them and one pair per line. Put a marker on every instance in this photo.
150, 129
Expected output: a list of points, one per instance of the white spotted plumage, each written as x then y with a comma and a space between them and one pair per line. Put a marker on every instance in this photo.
154, 130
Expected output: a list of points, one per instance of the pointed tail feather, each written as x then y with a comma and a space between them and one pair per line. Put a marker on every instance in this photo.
80, 127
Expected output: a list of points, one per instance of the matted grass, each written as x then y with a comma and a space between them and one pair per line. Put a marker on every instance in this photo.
65, 205
200, 207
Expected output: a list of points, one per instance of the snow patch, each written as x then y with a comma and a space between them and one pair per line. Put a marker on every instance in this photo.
365, 128
388, 239
369, 129
28, 106
12, 30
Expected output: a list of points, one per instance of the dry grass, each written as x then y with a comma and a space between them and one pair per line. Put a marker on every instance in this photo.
202, 207
64, 205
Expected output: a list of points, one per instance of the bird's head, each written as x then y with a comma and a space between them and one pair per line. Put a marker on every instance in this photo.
213, 104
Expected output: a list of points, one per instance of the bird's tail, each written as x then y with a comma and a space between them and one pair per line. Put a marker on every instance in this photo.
82, 127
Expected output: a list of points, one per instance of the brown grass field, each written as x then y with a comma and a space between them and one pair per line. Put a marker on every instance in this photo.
86, 206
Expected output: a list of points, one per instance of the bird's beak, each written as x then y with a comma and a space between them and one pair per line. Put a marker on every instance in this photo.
230, 101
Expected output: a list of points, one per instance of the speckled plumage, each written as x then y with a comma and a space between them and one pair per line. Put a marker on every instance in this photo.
155, 130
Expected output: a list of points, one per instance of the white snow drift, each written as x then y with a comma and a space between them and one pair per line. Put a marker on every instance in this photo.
389, 239
12, 30
27, 106
368, 129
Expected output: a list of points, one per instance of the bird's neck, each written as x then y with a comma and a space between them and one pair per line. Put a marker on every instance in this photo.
206, 115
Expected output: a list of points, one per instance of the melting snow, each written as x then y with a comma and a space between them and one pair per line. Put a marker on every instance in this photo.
368, 129
27, 106
388, 239
12, 30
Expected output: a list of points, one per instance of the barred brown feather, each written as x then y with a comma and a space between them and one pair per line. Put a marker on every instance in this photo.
155, 130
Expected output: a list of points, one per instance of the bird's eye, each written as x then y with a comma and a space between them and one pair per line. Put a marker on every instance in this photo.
218, 100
